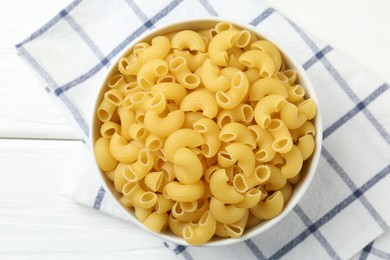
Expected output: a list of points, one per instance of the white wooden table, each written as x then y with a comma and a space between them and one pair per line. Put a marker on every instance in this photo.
38, 147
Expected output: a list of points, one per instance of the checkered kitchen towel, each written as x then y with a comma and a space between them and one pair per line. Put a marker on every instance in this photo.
346, 211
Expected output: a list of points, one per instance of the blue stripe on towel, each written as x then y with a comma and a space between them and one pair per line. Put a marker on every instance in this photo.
342, 83
119, 48
99, 198
50, 23
318, 56
254, 249
261, 17
351, 113
208, 7
137, 10
316, 233
85, 37
331, 214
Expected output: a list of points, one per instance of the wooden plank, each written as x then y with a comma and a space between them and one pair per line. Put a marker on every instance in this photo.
26, 110
361, 32
38, 222
358, 29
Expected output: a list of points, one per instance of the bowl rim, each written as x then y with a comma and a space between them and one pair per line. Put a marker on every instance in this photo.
304, 81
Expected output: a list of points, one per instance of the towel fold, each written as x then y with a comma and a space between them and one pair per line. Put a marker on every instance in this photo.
345, 212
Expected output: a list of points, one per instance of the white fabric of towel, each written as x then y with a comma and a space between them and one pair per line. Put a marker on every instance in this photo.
346, 211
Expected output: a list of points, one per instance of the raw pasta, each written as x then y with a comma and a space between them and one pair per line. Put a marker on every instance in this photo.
204, 132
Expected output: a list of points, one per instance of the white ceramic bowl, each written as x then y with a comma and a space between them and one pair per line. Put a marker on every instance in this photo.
309, 166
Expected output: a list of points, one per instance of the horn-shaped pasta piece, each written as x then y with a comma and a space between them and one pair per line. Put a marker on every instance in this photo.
293, 163
189, 206
180, 214
307, 128
295, 93
252, 74
234, 63
260, 60
163, 204
139, 47
269, 48
244, 157
253, 221
139, 197
182, 138
116, 82
127, 202
251, 198
291, 116
238, 133
270, 208
167, 170
177, 226
187, 166
127, 117
171, 91
122, 65
158, 50
106, 109
163, 126
137, 131
156, 221
308, 108
222, 190
226, 214
154, 143
276, 181
220, 44
265, 87
138, 170
287, 191
229, 72
119, 179
201, 232
180, 70
265, 107
145, 101
243, 38
153, 180
110, 174
291, 76
184, 192
241, 113
150, 72
306, 145
220, 230
191, 117
200, 101
114, 96
188, 39
236, 229
264, 140
243, 183
282, 138
194, 61
121, 150
141, 213
109, 128
211, 77
224, 26
210, 131
236, 94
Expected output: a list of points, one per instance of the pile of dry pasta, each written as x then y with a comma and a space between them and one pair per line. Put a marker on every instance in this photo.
204, 133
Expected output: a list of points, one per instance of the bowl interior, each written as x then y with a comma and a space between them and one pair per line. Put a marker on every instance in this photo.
309, 166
